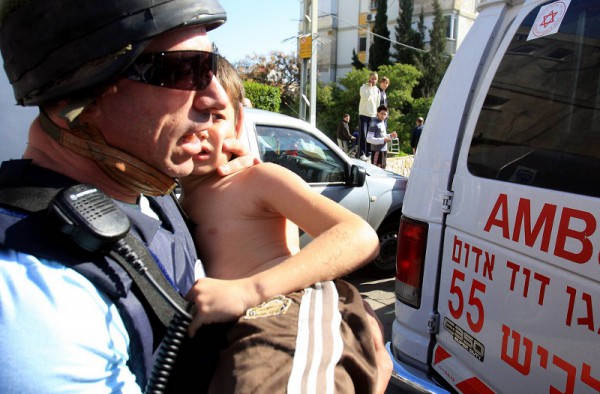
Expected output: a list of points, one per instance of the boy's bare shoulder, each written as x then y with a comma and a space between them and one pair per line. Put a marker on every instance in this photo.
263, 169
273, 172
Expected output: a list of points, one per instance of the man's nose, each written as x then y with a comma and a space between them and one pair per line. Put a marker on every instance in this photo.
212, 98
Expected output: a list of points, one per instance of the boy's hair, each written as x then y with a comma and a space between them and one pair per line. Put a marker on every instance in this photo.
382, 108
229, 78
384, 79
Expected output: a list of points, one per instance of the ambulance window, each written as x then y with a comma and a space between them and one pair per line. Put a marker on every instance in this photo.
540, 122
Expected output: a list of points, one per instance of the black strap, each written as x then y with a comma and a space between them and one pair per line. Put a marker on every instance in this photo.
161, 296
30, 199
164, 300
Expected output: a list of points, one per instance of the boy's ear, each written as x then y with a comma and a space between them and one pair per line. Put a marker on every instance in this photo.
239, 124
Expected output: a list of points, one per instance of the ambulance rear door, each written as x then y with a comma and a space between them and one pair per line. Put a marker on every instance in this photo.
519, 299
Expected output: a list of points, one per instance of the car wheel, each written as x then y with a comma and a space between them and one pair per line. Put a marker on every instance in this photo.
384, 264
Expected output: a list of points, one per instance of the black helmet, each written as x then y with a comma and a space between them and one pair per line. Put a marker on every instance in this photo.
55, 48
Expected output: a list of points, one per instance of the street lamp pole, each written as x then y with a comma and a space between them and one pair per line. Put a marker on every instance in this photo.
308, 53
313, 62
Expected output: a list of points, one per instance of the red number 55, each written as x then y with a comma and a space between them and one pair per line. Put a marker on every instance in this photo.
458, 279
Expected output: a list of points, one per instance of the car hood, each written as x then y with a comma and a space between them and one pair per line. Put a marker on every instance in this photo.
375, 171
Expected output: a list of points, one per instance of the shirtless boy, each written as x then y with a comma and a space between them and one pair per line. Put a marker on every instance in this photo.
250, 253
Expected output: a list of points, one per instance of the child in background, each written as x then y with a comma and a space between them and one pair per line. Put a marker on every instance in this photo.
378, 137
248, 247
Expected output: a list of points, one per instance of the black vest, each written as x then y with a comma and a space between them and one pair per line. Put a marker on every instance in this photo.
168, 240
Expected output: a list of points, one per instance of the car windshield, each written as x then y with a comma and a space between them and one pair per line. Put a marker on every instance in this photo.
301, 153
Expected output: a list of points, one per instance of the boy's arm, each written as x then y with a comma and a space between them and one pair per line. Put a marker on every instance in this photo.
342, 242
371, 139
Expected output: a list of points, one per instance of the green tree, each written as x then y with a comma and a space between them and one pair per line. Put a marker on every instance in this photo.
421, 28
409, 40
263, 96
435, 62
328, 115
403, 32
379, 52
276, 69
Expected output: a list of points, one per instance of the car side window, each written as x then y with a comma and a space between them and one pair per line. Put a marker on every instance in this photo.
301, 153
540, 122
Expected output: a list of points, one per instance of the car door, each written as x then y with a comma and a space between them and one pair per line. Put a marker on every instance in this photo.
314, 160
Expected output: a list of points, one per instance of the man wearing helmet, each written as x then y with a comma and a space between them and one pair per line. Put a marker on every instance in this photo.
124, 87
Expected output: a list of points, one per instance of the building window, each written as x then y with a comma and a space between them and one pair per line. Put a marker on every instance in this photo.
374, 4
362, 44
450, 26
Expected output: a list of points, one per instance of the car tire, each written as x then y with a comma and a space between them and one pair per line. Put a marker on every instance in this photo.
384, 265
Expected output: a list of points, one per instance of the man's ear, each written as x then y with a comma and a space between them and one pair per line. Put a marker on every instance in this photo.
239, 124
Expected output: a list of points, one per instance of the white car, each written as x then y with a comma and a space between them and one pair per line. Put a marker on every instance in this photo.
374, 194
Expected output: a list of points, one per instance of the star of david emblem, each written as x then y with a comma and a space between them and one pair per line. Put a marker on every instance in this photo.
549, 19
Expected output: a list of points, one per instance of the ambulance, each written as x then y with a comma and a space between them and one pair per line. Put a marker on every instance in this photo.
498, 266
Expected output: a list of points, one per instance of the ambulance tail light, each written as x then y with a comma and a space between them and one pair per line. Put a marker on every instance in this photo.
410, 258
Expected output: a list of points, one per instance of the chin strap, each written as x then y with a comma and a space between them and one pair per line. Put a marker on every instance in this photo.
87, 141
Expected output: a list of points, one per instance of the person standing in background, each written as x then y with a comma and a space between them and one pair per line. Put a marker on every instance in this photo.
370, 97
378, 138
383, 85
415, 134
343, 133
383, 100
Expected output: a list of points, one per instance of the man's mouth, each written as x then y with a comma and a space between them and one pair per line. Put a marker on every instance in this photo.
190, 143
204, 153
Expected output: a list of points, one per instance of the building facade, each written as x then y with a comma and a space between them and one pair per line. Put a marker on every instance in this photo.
346, 25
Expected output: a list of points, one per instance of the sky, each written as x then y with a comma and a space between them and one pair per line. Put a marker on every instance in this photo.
14, 121
257, 27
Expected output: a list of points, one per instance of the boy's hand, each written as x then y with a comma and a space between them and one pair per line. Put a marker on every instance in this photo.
217, 301
241, 162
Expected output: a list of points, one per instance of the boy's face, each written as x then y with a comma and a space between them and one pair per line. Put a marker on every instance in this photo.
212, 155
381, 115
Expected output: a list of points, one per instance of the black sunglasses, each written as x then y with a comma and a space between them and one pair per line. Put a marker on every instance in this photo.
183, 70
